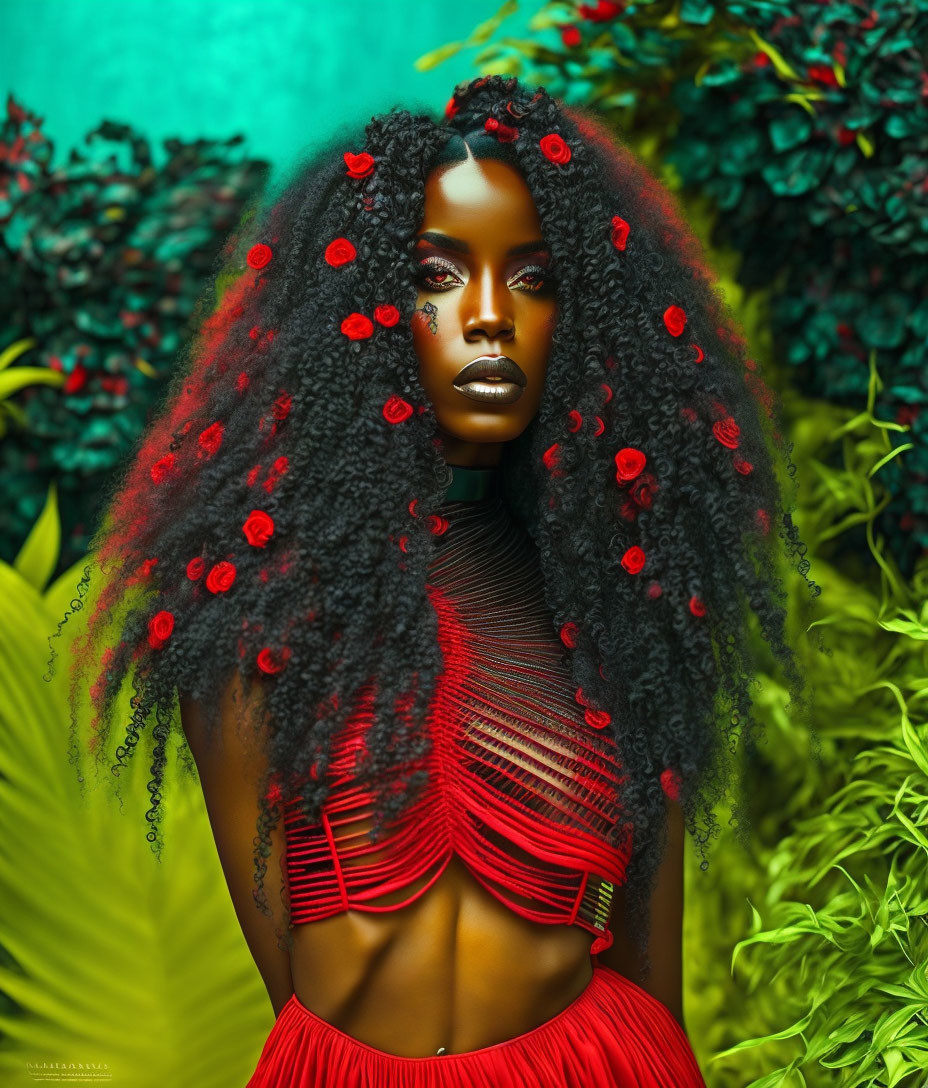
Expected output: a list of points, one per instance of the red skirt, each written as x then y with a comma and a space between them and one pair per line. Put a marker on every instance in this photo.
613, 1035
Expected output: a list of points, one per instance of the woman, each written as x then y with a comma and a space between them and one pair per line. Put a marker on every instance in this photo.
448, 538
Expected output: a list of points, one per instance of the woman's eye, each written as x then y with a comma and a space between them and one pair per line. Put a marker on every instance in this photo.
436, 274
532, 278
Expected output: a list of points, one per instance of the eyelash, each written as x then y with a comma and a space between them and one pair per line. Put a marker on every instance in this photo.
440, 263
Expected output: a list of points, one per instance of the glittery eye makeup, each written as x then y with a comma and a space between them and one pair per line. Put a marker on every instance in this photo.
441, 278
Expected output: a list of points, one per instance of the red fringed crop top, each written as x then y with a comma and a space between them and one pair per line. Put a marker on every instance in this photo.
520, 787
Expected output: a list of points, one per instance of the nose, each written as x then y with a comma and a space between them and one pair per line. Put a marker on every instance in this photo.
487, 309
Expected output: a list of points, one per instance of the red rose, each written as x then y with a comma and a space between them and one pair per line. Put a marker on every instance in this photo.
643, 490
744, 467
270, 663
258, 528
670, 783
629, 462
160, 470
395, 410
574, 420
386, 315
554, 148
727, 432
569, 634
437, 524
599, 719
675, 320
571, 36
357, 327
221, 577
258, 256
700, 354
551, 457
620, 231
451, 108
359, 166
281, 406
504, 133
195, 568
211, 439
633, 559
241, 383
697, 607
160, 627
340, 252
146, 568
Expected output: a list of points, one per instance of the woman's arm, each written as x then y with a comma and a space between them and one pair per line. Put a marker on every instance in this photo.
230, 769
665, 948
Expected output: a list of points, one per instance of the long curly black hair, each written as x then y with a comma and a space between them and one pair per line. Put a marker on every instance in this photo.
265, 522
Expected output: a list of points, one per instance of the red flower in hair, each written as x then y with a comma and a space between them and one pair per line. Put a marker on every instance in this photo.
700, 354
763, 520
670, 783
395, 410
629, 462
161, 469
254, 332
253, 475
568, 635
275, 472
629, 510
437, 524
412, 507
689, 413
258, 256
357, 327
160, 627
696, 606
600, 427
281, 407
270, 663
633, 559
146, 568
744, 467
554, 148
359, 166
607, 390
195, 568
258, 528
221, 577
675, 320
654, 590
620, 231
211, 439
504, 133
451, 108
387, 316
571, 36
403, 541
340, 252
727, 432
599, 719
574, 420
241, 382
580, 697
551, 457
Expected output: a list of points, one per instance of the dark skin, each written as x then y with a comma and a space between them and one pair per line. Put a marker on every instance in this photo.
456, 968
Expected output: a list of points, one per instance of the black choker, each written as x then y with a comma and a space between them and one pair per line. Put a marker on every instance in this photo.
469, 484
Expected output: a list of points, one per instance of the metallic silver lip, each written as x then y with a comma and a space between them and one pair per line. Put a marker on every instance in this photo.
499, 392
500, 367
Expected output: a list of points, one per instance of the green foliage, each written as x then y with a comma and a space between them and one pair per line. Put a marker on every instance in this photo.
102, 261
806, 124
104, 949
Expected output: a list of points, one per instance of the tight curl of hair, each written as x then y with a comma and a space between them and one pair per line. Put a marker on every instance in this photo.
265, 524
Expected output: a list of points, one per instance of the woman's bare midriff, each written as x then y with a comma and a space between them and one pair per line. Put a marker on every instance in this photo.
456, 969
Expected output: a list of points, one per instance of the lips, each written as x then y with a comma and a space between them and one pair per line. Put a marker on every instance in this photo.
494, 378
491, 366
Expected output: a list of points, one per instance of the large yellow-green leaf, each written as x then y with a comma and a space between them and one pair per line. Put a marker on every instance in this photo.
111, 956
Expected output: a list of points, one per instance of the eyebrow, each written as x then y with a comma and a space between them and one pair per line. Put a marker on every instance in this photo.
445, 241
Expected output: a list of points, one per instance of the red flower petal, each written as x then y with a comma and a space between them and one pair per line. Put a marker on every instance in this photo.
395, 409
675, 320
259, 255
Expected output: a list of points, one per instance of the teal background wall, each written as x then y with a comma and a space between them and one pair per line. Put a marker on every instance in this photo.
285, 73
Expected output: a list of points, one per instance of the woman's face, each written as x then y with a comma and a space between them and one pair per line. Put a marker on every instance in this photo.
484, 292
